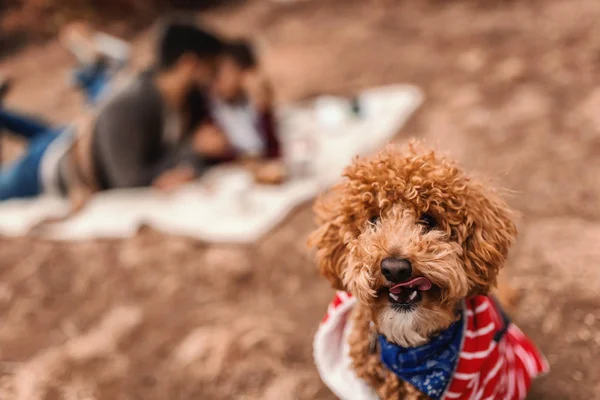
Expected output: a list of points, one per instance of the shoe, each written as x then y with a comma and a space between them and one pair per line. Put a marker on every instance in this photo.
116, 51
5, 86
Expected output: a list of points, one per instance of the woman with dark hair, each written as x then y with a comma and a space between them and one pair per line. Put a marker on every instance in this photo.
242, 108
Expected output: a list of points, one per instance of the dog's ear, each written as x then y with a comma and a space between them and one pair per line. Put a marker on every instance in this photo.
492, 231
327, 238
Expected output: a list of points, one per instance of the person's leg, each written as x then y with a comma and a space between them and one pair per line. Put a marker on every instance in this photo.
93, 80
21, 179
100, 57
18, 180
22, 125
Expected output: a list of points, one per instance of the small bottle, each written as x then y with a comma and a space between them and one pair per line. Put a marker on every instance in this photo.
355, 106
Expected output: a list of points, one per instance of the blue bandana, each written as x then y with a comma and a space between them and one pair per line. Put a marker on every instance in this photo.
428, 368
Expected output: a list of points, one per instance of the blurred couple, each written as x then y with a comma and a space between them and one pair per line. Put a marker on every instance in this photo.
205, 101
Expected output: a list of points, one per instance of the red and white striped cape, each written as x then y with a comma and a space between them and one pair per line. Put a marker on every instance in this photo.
486, 369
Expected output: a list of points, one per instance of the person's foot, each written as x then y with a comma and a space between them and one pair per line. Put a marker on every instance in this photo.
78, 38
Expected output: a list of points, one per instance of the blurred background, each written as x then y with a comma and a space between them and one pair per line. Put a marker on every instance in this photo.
511, 90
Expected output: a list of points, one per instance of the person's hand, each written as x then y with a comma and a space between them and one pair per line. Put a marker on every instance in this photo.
259, 91
172, 179
269, 172
209, 141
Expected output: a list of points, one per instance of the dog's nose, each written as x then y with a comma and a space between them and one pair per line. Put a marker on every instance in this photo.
396, 270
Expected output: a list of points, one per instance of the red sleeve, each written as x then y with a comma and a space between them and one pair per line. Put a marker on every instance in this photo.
268, 129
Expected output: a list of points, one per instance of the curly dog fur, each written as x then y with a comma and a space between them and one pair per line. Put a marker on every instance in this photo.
414, 204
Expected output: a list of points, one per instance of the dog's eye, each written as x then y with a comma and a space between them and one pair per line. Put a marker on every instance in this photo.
428, 222
374, 219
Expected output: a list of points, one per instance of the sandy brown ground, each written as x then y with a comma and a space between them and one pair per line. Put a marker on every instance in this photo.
513, 91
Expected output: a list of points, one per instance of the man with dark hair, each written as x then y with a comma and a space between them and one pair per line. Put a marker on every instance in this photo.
139, 136
139, 133
242, 53
178, 38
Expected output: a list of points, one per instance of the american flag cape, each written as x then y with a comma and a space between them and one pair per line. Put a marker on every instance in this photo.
496, 360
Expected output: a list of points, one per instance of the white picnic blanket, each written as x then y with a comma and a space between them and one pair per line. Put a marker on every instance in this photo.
225, 206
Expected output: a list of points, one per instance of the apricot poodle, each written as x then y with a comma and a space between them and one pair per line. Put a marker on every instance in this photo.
416, 246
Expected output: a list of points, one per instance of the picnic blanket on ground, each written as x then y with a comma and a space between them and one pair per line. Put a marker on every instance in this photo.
224, 205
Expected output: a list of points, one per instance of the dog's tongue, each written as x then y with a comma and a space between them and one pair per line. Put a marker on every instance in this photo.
420, 283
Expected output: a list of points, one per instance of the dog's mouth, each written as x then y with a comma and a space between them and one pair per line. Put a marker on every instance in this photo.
406, 295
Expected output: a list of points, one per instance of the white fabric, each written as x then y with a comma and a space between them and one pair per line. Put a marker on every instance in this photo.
239, 122
330, 352
224, 206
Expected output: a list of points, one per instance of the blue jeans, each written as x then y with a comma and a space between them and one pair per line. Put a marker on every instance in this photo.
22, 177
93, 80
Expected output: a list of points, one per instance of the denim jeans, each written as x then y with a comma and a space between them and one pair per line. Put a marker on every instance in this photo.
22, 177
93, 80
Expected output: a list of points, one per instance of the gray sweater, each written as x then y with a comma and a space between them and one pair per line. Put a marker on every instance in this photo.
129, 144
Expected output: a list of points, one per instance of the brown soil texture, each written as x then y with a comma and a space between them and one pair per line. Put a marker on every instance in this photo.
24, 22
512, 91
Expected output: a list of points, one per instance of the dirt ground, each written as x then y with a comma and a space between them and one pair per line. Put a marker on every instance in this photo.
512, 91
